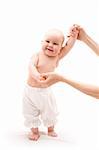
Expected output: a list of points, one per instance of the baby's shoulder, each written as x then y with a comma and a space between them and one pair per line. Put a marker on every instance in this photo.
34, 58
34, 55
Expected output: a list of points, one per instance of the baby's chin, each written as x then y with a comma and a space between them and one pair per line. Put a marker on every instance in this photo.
50, 54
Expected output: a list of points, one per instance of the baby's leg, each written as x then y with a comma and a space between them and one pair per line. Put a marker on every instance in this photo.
34, 134
51, 131
31, 114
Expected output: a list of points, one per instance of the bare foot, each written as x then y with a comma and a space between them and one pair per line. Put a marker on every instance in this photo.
52, 133
33, 136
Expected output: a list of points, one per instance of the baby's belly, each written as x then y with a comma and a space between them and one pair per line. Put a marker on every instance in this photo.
32, 82
46, 68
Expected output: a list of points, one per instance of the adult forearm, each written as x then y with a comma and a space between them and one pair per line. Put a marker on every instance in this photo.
85, 88
91, 43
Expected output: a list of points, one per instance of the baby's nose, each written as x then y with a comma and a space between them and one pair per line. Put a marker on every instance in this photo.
50, 44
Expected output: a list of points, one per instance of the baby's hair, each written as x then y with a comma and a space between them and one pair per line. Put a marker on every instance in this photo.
56, 31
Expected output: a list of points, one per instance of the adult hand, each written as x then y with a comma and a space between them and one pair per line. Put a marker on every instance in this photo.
50, 79
82, 34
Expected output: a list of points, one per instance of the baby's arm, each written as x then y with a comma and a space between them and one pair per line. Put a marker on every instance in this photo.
33, 67
70, 43
83, 36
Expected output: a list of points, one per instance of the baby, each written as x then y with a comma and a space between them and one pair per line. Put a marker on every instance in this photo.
39, 103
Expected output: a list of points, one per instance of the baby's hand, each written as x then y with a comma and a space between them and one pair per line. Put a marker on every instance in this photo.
81, 32
74, 31
42, 77
37, 77
42, 81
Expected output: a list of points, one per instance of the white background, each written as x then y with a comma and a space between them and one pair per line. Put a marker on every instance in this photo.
22, 24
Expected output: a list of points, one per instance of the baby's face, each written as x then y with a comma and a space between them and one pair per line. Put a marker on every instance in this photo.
52, 43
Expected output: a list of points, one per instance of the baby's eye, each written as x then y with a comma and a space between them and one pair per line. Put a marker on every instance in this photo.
47, 41
55, 43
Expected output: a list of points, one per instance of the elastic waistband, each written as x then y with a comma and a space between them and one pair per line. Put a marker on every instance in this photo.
37, 89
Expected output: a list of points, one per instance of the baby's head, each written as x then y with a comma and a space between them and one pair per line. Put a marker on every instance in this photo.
52, 42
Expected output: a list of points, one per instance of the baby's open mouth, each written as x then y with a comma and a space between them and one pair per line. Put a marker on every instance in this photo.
50, 49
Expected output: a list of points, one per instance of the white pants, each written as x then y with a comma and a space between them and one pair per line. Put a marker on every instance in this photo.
39, 102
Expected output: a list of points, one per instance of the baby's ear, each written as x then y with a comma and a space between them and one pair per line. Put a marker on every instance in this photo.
42, 41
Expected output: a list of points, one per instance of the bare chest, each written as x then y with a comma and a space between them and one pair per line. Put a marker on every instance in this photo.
47, 64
